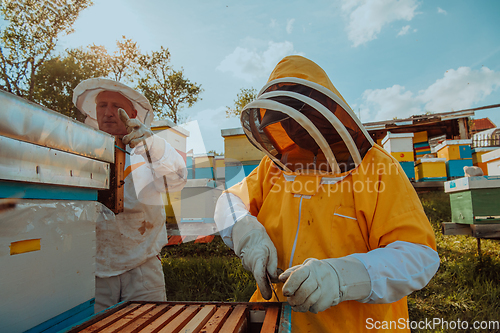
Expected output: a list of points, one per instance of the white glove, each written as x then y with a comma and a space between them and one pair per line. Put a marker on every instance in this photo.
140, 134
256, 251
317, 285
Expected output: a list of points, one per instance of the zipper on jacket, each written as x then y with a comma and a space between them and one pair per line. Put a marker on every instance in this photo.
298, 226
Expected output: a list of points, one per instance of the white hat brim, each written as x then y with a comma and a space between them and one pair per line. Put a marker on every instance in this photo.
85, 93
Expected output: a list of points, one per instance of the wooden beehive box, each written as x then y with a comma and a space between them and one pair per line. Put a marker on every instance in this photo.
192, 317
454, 149
474, 200
430, 169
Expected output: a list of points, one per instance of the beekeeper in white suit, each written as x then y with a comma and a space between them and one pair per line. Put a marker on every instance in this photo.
127, 262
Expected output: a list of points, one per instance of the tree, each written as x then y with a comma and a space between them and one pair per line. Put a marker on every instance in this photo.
57, 77
124, 62
167, 90
244, 97
29, 38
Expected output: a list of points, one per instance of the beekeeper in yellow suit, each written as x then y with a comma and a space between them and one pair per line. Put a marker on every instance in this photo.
329, 207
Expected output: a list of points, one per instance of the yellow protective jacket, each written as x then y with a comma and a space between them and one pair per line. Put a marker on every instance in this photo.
368, 209
350, 206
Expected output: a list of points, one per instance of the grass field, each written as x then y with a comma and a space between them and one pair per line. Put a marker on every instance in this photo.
466, 286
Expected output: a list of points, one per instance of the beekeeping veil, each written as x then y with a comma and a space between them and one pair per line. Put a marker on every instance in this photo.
302, 122
85, 93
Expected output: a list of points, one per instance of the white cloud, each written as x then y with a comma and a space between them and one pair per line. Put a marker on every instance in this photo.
384, 104
442, 11
458, 89
404, 30
289, 25
252, 64
273, 23
367, 17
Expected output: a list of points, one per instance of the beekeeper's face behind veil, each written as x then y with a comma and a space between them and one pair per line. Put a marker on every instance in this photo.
303, 123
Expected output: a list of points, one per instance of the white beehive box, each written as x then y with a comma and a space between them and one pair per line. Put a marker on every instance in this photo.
398, 142
47, 243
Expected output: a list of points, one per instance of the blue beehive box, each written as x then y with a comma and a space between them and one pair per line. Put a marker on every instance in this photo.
455, 168
409, 169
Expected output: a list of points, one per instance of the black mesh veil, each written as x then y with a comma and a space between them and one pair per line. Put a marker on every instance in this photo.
282, 137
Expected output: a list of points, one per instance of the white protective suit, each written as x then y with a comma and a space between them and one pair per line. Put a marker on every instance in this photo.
127, 245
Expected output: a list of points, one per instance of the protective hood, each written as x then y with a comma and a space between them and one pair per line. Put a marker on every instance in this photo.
303, 123
85, 93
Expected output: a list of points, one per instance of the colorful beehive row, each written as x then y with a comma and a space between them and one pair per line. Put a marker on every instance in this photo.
458, 154
240, 156
400, 146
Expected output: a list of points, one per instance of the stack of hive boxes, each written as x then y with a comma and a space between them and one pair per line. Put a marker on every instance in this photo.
400, 146
421, 145
457, 153
478, 160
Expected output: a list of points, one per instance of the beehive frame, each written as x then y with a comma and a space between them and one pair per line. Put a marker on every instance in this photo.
192, 317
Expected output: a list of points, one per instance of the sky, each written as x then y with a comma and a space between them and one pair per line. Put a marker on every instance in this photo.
388, 58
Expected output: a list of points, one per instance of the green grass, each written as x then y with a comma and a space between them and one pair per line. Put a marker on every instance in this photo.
205, 272
466, 286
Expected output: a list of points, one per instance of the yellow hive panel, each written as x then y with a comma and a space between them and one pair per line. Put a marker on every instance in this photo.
239, 148
28, 245
430, 169
175, 208
219, 163
419, 137
477, 157
449, 152
204, 162
403, 156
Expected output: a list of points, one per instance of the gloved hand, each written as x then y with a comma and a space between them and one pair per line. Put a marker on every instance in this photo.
140, 135
317, 285
256, 251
